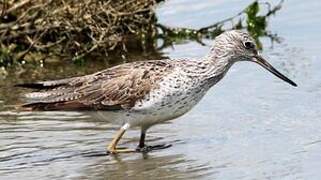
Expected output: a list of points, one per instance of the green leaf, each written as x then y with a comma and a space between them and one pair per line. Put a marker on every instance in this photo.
252, 9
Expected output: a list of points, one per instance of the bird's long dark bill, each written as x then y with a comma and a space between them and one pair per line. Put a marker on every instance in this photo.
270, 68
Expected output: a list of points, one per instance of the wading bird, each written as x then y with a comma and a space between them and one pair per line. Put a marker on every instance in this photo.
142, 94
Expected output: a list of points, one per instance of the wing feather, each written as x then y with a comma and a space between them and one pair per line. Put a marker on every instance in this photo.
117, 87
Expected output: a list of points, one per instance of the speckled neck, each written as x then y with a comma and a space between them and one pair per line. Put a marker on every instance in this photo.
217, 64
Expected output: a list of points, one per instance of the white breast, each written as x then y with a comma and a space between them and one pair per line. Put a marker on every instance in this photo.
176, 95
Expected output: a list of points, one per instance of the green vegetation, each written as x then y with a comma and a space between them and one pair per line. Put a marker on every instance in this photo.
250, 19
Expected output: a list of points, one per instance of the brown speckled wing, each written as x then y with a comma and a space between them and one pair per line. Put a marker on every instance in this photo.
118, 87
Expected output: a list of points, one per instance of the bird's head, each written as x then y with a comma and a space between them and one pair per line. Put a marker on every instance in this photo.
238, 45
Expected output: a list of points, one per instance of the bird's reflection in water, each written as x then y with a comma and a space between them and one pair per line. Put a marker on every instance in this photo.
142, 166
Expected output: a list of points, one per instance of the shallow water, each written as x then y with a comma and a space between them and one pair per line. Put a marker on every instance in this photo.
251, 125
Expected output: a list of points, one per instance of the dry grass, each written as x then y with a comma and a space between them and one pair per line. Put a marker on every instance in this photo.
72, 28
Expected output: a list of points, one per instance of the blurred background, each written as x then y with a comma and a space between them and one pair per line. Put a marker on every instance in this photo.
273, 133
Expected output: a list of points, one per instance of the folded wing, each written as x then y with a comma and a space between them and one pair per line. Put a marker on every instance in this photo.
118, 87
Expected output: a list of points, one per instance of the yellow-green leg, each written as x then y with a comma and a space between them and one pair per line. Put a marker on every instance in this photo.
111, 148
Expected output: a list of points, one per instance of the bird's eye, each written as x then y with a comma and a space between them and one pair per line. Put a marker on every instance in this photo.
249, 45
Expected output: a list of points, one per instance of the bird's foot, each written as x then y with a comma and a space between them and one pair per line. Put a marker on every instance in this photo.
146, 149
120, 150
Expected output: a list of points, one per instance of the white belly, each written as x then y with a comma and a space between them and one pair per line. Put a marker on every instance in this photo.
172, 99
155, 114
